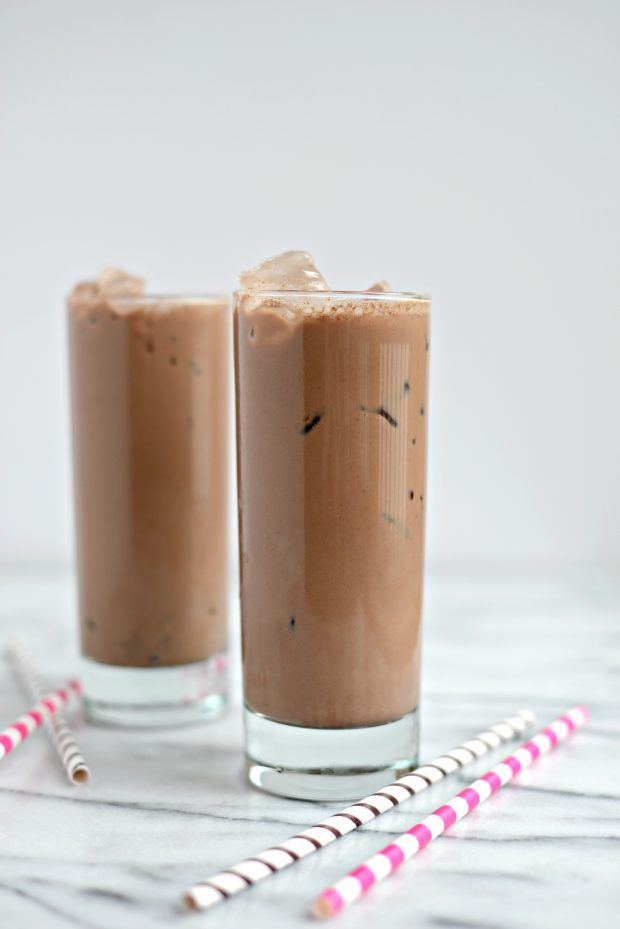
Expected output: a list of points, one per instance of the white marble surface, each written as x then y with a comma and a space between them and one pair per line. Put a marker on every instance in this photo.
168, 808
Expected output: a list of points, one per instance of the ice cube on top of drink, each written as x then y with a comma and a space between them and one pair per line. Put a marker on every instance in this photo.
294, 270
112, 282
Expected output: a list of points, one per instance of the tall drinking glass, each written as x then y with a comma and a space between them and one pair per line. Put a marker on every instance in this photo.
331, 429
150, 423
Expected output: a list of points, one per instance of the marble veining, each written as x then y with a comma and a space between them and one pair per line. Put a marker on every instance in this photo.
169, 807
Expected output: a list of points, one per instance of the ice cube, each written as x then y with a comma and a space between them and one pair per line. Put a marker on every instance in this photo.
112, 282
288, 271
380, 287
86, 293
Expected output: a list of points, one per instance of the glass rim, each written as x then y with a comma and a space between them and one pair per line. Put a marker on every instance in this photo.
154, 299
391, 296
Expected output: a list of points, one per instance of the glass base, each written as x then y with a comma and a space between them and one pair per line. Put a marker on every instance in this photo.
171, 696
328, 764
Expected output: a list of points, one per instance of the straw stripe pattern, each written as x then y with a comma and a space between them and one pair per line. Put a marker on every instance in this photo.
359, 881
232, 881
35, 717
61, 735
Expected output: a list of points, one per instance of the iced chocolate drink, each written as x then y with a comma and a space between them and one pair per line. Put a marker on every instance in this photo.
150, 424
331, 412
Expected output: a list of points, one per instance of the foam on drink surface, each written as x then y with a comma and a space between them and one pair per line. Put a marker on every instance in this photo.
295, 274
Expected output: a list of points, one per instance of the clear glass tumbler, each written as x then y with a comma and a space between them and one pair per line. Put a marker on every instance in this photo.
150, 398
331, 430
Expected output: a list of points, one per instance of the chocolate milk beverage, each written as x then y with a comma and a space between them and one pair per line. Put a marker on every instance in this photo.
332, 412
150, 423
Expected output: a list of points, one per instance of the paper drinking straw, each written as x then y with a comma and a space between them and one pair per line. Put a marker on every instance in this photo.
359, 881
36, 716
61, 735
227, 883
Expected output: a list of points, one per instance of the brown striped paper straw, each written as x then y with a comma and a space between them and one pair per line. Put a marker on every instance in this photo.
232, 881
57, 727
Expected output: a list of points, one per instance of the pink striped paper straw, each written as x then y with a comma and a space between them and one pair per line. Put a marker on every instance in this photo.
35, 717
61, 736
226, 884
358, 882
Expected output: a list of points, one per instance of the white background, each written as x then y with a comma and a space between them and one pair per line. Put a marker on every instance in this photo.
469, 149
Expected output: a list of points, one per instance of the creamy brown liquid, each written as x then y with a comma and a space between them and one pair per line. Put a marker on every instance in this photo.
150, 422
331, 458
